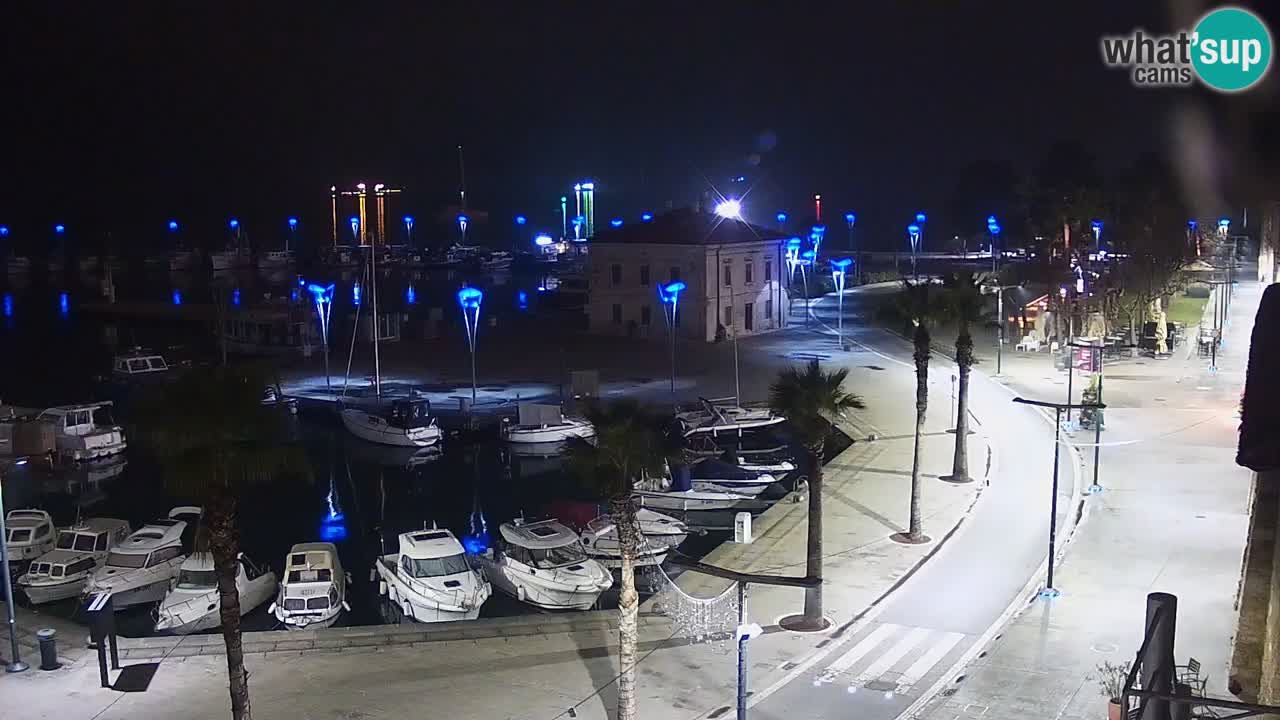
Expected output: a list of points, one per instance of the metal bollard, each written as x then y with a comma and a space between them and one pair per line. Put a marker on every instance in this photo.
48, 639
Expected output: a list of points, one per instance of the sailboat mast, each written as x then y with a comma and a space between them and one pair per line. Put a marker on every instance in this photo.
462, 181
373, 290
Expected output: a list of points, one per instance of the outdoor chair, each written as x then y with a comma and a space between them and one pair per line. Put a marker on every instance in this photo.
1029, 343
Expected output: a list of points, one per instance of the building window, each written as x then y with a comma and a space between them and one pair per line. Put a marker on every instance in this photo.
768, 270
728, 316
645, 314
615, 274
768, 309
748, 271
644, 275
748, 317
675, 274
617, 314
728, 275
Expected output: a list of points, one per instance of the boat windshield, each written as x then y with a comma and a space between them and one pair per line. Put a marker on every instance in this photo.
548, 558
75, 541
197, 579
20, 535
126, 560
436, 567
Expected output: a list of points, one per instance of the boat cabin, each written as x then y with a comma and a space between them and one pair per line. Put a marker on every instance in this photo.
431, 553
30, 533
409, 414
311, 578
138, 365
545, 545
156, 543
95, 535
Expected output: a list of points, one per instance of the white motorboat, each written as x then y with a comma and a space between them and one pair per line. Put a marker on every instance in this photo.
776, 468
139, 569
431, 578
717, 475
272, 397
405, 423
690, 499
30, 535
138, 365
85, 432
658, 535
276, 259
61, 573
544, 564
193, 603
537, 423
719, 420
314, 590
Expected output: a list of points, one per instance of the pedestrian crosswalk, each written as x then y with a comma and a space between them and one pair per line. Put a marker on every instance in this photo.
890, 657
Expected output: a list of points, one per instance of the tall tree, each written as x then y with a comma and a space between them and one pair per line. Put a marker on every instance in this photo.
629, 446
214, 438
963, 304
920, 304
811, 398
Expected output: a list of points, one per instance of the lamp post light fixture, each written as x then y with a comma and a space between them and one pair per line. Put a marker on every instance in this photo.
781, 217
15, 660
293, 233
729, 209
807, 259
173, 226
816, 234
838, 269
564, 217
462, 226
817, 208
669, 294
408, 229
322, 297
993, 228
793, 261
4, 231
616, 223
851, 219
1224, 226
577, 227
469, 299
355, 229
521, 220
913, 236
646, 217
59, 229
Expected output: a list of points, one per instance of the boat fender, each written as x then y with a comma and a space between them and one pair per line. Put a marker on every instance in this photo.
345, 606
382, 587
373, 574
520, 593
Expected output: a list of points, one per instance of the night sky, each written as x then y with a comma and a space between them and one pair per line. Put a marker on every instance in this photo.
127, 114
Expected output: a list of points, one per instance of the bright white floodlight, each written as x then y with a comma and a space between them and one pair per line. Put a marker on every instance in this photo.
731, 209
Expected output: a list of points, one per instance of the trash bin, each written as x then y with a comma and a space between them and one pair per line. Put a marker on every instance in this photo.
48, 639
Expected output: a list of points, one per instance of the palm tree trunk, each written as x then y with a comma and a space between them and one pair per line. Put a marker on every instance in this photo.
813, 555
964, 361
921, 356
624, 519
224, 542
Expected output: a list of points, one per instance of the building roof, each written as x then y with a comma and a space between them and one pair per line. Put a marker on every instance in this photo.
688, 226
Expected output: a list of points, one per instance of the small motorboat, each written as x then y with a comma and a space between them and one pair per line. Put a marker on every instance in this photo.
139, 569
61, 573
276, 259
658, 534
192, 603
272, 397
718, 420
431, 578
30, 536
313, 593
85, 432
545, 565
538, 423
686, 500
716, 475
405, 423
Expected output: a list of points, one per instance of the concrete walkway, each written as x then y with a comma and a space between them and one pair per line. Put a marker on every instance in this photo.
1172, 518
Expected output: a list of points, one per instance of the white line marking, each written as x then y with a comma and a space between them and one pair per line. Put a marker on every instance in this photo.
846, 661
921, 667
891, 658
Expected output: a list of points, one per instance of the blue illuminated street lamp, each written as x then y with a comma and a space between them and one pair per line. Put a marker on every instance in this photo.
462, 226
838, 269
173, 226
669, 294
1096, 226
408, 229
807, 259
469, 299
616, 222
913, 236
646, 217
1224, 225
993, 228
816, 234
59, 229
355, 229
521, 220
564, 217
293, 233
781, 217
322, 296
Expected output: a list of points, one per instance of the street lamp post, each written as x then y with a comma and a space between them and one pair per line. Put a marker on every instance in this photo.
408, 230
564, 217
993, 227
469, 299
850, 219
1096, 361
838, 270
323, 298
793, 260
807, 258
15, 661
293, 232
920, 220
816, 235
1049, 590
669, 294
913, 236
781, 217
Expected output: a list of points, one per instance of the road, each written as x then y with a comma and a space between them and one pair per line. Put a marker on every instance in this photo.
879, 666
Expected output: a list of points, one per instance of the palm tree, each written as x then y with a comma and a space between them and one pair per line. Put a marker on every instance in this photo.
921, 307
963, 303
810, 398
629, 446
214, 437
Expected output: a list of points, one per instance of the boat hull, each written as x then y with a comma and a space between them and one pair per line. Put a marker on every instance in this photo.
308, 622
696, 501
358, 423
548, 435
42, 593
140, 595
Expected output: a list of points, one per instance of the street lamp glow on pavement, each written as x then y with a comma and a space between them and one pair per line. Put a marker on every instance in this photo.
838, 269
729, 209
469, 299
322, 297
669, 294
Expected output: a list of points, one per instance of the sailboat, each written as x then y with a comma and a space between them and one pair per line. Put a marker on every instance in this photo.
400, 423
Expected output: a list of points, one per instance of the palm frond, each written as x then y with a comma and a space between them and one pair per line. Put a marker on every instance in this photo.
810, 398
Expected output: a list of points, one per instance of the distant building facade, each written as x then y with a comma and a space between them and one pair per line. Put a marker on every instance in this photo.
733, 270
